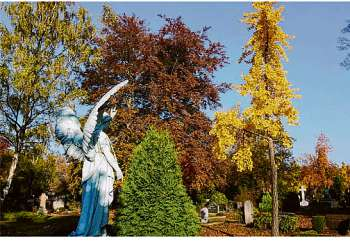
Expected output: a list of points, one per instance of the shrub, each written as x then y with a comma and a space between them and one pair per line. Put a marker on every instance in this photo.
308, 233
288, 223
73, 206
219, 198
262, 216
10, 216
266, 203
344, 227
61, 209
262, 220
25, 216
153, 200
318, 223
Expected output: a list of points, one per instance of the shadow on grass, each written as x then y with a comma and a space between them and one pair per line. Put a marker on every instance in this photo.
43, 226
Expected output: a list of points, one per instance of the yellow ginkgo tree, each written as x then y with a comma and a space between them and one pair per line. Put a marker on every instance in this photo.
270, 91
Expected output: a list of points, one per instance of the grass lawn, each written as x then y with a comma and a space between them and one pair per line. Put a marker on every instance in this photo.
55, 225
238, 229
29, 224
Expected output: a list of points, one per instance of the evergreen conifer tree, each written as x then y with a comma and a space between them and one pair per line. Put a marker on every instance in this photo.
154, 201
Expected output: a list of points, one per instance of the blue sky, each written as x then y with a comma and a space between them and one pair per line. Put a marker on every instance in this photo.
313, 65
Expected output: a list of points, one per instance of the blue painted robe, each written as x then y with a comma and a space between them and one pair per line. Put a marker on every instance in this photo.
97, 183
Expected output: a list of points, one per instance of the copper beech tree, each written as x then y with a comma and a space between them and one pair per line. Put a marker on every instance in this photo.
171, 83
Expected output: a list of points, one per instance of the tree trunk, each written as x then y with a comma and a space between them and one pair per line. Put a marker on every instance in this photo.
8, 184
275, 224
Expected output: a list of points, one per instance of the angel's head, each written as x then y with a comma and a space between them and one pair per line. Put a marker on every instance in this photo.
106, 115
104, 121
67, 127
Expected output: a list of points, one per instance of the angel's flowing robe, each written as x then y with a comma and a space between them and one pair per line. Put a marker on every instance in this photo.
97, 182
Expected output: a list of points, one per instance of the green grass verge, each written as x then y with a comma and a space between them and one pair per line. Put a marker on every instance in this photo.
30, 224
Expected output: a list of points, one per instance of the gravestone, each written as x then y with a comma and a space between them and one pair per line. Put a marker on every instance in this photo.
248, 212
43, 198
213, 208
291, 202
57, 204
230, 206
303, 202
334, 204
326, 201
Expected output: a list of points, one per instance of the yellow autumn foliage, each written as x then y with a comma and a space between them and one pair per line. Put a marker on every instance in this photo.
345, 175
226, 126
266, 83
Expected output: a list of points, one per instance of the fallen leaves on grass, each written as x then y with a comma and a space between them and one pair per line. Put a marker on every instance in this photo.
232, 229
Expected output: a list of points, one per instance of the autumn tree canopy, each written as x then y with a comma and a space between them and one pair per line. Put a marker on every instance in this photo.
267, 85
318, 171
4, 144
42, 51
271, 96
344, 173
171, 82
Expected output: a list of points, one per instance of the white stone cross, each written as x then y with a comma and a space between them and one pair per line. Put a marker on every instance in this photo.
43, 197
303, 202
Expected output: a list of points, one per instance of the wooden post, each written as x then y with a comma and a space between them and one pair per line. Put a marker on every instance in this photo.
275, 224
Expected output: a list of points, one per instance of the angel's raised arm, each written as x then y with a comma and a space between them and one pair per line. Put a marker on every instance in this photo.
95, 114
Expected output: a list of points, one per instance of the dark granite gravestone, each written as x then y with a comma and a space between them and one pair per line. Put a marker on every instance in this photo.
291, 202
213, 208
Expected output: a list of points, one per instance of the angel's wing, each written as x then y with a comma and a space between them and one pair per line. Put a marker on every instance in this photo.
68, 132
94, 115
67, 128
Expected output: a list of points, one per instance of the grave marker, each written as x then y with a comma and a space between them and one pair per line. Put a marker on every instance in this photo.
248, 212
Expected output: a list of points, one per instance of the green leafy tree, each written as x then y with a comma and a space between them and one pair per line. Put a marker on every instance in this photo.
35, 174
43, 50
253, 184
154, 201
219, 198
73, 180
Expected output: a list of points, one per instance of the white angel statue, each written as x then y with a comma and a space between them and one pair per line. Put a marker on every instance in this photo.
93, 147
